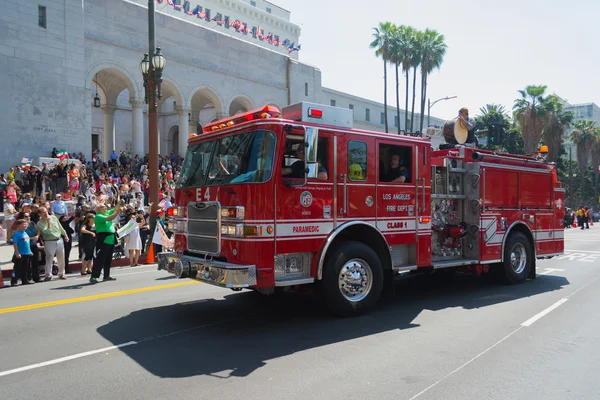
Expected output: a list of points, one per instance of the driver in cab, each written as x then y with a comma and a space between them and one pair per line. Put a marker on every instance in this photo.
397, 173
296, 170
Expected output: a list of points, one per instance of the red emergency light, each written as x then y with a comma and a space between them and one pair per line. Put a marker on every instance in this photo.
259, 113
315, 113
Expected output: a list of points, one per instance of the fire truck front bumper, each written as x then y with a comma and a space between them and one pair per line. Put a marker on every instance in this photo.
216, 273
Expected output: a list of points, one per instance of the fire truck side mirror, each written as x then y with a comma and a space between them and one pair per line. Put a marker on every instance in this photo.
312, 142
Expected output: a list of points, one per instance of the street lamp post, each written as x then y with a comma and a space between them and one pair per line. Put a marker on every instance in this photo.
430, 104
151, 67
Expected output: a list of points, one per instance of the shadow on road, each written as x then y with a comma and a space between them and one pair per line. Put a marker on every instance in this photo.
237, 334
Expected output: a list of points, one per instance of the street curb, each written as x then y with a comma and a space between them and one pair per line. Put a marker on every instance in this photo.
76, 266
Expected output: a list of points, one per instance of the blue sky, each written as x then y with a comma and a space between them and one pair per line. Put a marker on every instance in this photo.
494, 47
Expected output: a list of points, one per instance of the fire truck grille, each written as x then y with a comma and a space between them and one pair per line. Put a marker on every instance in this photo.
203, 244
204, 211
204, 228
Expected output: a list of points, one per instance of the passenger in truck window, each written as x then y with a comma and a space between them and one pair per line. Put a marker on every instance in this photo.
397, 173
296, 170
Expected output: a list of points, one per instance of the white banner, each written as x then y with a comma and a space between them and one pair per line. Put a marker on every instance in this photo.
160, 237
127, 228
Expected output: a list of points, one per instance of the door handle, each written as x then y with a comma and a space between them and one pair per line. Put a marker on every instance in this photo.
344, 209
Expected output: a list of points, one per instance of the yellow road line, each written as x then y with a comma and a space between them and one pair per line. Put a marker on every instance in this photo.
93, 297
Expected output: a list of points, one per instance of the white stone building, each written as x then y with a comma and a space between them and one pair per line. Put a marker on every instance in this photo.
223, 57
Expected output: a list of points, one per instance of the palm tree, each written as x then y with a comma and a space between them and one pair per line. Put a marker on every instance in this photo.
433, 50
530, 114
381, 44
494, 116
493, 109
583, 136
415, 62
396, 55
595, 153
557, 122
407, 37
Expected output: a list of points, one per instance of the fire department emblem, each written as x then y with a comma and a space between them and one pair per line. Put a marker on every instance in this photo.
306, 199
369, 201
559, 204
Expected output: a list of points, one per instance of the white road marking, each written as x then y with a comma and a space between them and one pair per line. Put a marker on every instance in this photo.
579, 256
467, 363
550, 270
498, 342
131, 343
539, 315
63, 359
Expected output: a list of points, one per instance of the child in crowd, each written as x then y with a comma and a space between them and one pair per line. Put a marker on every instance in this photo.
22, 256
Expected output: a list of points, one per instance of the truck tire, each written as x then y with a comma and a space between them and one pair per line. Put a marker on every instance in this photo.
352, 279
518, 258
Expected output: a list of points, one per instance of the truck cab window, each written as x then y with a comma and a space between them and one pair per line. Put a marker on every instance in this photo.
293, 158
357, 160
394, 164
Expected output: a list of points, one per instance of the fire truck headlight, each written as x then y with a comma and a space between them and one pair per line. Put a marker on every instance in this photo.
233, 213
178, 212
232, 230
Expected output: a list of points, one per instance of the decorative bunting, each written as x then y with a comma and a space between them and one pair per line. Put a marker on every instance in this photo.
239, 26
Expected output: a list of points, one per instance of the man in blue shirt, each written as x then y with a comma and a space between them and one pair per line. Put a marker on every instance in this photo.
22, 256
58, 206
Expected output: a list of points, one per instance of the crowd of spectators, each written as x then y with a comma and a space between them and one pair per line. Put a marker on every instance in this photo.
68, 192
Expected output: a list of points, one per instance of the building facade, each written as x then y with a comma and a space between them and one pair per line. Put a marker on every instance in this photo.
223, 57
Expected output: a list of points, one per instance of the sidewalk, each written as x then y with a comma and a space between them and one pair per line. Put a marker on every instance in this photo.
7, 251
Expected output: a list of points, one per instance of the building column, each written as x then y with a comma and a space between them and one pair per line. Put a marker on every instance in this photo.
137, 125
109, 130
193, 126
220, 116
183, 129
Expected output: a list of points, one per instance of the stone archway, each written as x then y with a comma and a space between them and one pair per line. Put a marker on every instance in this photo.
117, 92
240, 104
174, 139
206, 106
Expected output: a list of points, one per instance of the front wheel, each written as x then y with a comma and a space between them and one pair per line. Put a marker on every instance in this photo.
352, 280
518, 258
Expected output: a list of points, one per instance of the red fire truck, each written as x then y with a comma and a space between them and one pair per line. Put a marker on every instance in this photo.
277, 199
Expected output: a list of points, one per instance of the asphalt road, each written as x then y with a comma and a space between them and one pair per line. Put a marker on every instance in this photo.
149, 336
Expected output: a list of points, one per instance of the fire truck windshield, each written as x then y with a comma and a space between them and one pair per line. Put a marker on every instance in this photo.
241, 158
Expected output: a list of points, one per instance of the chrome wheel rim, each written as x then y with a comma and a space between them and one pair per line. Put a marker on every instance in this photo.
355, 280
518, 258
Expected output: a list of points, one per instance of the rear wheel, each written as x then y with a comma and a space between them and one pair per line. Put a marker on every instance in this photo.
518, 258
352, 279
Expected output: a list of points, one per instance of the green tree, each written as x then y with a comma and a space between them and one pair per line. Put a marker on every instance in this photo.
530, 115
595, 156
492, 118
508, 138
433, 48
583, 136
557, 122
382, 45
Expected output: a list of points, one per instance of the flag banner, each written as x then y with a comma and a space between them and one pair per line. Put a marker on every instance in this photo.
127, 228
160, 237
26, 162
62, 154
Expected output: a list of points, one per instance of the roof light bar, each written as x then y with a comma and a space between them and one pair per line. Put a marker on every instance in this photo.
259, 113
